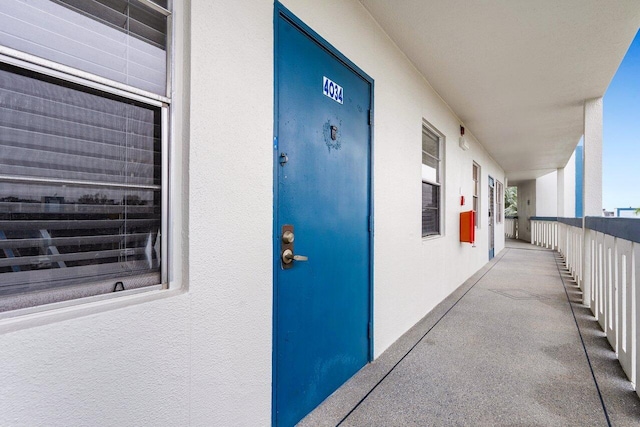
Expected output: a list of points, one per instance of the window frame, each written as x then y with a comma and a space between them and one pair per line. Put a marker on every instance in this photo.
48, 68
476, 176
428, 128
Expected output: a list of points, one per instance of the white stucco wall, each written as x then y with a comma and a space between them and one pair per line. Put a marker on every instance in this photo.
231, 205
570, 187
592, 138
546, 192
201, 354
526, 208
547, 195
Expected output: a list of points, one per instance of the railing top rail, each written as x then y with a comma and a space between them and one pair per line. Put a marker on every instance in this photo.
544, 218
574, 222
623, 228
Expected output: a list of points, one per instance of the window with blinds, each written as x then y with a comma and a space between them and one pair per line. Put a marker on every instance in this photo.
431, 153
121, 40
80, 190
82, 206
476, 194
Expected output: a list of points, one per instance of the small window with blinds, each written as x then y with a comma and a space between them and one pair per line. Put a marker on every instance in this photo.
431, 182
80, 191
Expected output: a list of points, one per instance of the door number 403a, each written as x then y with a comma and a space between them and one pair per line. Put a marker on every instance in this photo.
332, 90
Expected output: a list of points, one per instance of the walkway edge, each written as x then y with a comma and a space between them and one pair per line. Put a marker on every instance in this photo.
584, 347
338, 406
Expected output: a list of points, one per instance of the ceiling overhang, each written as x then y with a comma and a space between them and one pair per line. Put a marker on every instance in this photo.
515, 72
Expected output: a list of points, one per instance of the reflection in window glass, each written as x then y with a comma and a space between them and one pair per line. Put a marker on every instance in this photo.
124, 41
80, 196
430, 155
130, 17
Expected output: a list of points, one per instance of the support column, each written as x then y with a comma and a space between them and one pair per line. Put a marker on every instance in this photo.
592, 177
591, 184
560, 192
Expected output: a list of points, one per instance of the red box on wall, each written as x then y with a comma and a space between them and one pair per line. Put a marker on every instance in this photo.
467, 227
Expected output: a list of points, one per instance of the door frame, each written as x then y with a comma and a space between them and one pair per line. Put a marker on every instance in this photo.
281, 11
492, 217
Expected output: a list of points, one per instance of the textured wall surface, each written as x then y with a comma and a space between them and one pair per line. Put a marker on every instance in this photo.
547, 195
570, 187
548, 202
127, 366
197, 358
526, 208
231, 205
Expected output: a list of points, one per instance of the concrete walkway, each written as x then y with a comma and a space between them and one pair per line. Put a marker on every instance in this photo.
503, 350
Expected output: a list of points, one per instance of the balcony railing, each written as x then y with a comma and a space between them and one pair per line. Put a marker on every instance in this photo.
511, 227
603, 257
544, 232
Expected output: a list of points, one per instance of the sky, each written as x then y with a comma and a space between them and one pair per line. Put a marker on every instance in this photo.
621, 134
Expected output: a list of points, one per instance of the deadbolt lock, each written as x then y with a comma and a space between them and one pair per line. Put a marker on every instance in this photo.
287, 236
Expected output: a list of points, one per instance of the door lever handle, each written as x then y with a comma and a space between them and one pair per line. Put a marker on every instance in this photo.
288, 257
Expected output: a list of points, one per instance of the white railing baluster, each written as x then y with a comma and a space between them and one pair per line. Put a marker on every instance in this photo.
626, 318
610, 275
600, 282
635, 308
510, 225
578, 271
591, 259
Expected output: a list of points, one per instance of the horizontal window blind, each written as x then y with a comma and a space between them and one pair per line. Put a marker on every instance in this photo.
80, 194
430, 209
122, 40
128, 16
430, 182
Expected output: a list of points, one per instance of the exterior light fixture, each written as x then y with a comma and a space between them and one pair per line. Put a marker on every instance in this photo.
463, 141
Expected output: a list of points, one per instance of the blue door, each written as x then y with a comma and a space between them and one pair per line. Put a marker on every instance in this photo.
492, 220
322, 225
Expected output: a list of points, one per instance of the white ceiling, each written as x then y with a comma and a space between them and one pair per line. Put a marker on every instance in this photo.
516, 72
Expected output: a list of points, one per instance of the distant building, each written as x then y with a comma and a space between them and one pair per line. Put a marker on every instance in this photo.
626, 213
